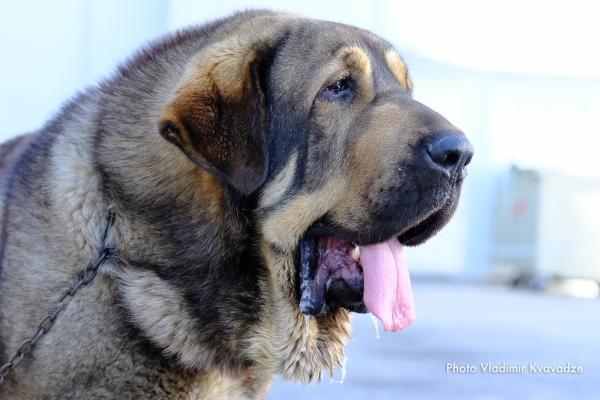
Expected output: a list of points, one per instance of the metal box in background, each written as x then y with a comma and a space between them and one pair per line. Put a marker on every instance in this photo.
547, 225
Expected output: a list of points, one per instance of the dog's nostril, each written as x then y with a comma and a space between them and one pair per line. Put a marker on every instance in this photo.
451, 159
468, 160
451, 151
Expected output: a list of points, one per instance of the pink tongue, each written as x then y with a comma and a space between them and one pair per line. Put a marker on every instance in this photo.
388, 294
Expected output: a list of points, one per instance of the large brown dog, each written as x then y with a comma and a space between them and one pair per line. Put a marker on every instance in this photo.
289, 141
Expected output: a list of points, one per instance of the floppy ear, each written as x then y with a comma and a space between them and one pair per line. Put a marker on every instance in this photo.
216, 114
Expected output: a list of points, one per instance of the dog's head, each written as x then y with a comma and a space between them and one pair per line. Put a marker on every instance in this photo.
315, 122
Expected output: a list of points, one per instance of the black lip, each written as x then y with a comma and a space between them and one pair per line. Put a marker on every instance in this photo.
318, 229
307, 262
420, 232
429, 226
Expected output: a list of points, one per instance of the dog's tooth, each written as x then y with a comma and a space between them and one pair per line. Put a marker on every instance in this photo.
356, 253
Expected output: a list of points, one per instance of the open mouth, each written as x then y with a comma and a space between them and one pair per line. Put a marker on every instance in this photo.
330, 273
335, 272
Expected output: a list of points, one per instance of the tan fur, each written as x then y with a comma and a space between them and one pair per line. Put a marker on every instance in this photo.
216, 385
285, 227
398, 68
358, 60
276, 190
163, 317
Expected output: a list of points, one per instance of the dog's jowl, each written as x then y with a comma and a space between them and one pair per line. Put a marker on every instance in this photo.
264, 172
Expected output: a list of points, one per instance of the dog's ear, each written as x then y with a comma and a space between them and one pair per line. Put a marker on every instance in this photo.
216, 113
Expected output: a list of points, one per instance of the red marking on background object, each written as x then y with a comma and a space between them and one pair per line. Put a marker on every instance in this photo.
520, 208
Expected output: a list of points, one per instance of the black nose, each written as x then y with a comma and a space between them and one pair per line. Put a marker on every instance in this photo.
451, 152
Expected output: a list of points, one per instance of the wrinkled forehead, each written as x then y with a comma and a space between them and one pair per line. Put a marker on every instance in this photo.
319, 52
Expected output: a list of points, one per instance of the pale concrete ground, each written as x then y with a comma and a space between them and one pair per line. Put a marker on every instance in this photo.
470, 324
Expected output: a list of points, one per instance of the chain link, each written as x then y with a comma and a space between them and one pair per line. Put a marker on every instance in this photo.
84, 277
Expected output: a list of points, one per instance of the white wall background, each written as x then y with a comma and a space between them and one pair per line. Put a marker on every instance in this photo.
521, 78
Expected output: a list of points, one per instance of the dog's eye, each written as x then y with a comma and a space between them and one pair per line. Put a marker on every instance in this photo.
339, 89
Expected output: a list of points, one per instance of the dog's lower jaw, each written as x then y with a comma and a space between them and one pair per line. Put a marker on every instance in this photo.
285, 345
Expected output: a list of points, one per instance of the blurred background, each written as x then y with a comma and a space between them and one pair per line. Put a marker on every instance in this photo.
514, 277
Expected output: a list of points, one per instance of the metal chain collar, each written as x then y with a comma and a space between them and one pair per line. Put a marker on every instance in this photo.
84, 277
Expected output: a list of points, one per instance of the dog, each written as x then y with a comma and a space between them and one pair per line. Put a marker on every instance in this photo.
216, 211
